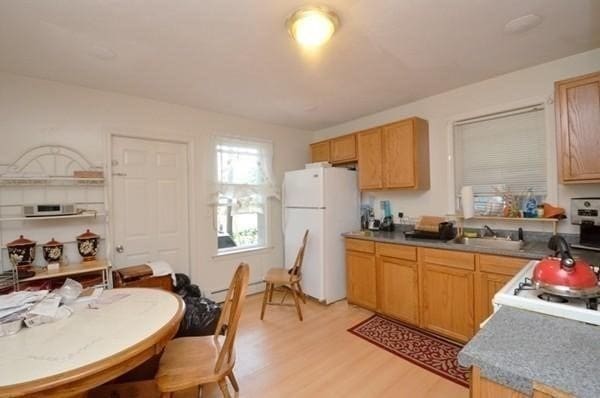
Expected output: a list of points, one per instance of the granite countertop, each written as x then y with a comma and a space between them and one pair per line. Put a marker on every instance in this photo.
517, 347
532, 250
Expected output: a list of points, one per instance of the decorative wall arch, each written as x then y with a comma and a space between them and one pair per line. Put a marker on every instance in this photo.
48, 160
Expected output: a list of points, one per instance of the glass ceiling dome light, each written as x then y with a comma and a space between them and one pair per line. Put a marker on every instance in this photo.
312, 26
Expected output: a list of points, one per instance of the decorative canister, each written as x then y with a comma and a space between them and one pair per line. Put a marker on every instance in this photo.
87, 244
52, 251
21, 252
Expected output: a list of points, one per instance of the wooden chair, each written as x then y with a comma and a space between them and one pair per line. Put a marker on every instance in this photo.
289, 280
193, 361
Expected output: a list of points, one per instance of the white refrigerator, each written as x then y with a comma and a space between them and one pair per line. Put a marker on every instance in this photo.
326, 202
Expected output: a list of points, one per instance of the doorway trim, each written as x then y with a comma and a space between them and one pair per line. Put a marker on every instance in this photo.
154, 135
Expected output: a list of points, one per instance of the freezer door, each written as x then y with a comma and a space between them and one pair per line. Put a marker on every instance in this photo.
298, 221
303, 188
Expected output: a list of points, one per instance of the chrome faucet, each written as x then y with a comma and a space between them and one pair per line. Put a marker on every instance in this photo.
488, 230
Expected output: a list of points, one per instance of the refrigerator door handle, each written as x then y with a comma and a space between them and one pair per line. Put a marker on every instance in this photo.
283, 206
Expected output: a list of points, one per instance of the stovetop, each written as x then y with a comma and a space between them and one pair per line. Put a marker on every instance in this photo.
520, 292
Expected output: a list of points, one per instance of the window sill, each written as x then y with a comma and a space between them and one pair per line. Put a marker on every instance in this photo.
248, 250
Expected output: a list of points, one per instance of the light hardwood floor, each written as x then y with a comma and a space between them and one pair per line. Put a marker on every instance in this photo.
283, 357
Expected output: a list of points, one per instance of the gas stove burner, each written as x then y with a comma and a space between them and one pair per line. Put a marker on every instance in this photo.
527, 284
552, 298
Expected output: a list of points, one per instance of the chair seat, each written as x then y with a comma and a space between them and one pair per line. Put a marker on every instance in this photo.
190, 361
280, 276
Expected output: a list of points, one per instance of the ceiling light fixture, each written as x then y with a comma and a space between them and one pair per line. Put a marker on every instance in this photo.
312, 26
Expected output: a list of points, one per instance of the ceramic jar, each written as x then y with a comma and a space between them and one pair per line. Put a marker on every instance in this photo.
53, 251
87, 245
21, 252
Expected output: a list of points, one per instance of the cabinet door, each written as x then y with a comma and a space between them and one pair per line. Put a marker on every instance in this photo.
369, 159
319, 152
399, 155
343, 149
447, 301
398, 288
488, 286
361, 279
578, 128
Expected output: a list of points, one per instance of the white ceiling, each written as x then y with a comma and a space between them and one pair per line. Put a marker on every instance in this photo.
235, 57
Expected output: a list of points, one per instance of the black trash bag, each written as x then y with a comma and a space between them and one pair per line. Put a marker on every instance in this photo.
200, 318
190, 291
181, 280
183, 286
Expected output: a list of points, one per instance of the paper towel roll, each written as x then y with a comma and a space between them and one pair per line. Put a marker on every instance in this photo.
466, 201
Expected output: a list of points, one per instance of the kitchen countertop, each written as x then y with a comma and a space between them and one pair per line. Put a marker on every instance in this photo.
517, 347
532, 250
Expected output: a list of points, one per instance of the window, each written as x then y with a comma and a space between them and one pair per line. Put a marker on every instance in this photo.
501, 155
244, 185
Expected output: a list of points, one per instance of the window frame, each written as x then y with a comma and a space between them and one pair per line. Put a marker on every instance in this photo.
552, 185
265, 220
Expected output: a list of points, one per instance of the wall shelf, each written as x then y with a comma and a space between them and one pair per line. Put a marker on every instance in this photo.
51, 181
72, 269
81, 215
553, 221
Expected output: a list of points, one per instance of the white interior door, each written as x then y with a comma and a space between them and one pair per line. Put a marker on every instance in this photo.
150, 202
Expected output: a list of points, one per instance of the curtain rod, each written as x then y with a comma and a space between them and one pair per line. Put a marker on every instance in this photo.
499, 115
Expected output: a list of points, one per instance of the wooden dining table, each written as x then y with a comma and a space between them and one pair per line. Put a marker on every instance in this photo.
96, 344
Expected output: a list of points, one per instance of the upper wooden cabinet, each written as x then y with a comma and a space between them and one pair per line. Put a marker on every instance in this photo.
370, 166
336, 150
320, 151
343, 149
394, 156
577, 103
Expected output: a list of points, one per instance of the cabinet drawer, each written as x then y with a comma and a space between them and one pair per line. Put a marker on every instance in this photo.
501, 265
396, 251
449, 258
359, 245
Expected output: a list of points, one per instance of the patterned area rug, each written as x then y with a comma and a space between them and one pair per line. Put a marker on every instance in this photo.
421, 348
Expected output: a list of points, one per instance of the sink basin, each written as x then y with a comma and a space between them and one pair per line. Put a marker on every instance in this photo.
494, 243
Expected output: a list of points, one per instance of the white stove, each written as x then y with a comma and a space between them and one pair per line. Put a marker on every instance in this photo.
520, 293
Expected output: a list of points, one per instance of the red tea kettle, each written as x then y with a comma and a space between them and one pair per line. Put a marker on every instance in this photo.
563, 276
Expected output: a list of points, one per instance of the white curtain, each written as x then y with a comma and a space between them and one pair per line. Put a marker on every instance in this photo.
243, 173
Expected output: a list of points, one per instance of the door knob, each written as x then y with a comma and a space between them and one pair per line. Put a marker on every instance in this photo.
120, 249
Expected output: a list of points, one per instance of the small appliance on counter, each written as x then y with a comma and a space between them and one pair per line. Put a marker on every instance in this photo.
387, 223
585, 212
431, 227
374, 224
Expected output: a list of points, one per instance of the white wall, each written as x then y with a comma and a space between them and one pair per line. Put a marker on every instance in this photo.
503, 92
36, 112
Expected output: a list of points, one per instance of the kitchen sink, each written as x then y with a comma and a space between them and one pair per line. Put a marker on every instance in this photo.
491, 242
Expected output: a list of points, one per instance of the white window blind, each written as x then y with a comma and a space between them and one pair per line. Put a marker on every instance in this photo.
502, 152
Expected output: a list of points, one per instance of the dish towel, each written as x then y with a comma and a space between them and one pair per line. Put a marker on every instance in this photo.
160, 268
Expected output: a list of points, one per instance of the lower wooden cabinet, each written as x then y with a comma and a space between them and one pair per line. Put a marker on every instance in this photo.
398, 289
361, 279
485, 388
447, 301
487, 286
493, 273
445, 291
